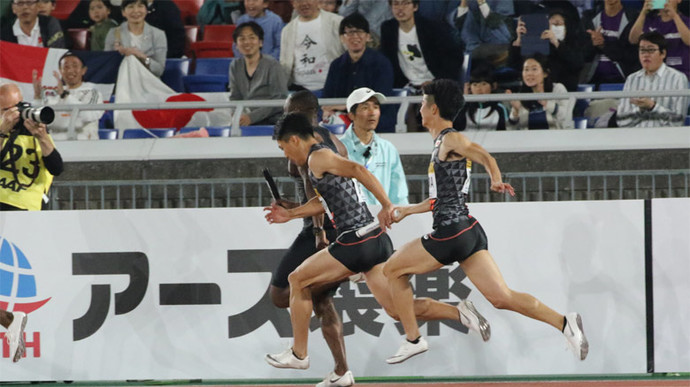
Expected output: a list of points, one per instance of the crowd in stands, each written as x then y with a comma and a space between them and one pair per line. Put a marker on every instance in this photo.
395, 47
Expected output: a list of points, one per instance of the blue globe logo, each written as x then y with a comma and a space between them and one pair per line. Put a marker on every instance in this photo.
17, 281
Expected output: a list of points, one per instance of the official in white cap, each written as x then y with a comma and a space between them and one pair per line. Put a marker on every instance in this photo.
364, 146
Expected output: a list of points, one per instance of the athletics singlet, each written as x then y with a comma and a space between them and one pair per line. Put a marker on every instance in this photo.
341, 198
449, 184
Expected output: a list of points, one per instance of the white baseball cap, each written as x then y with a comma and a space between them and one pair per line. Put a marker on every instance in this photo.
363, 94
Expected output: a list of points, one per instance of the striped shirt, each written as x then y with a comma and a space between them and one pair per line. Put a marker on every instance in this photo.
668, 111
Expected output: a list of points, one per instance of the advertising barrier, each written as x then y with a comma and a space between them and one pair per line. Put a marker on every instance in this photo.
177, 294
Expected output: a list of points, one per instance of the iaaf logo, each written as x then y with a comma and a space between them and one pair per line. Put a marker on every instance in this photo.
18, 292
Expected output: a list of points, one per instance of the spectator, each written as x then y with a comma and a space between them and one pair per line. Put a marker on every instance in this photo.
655, 75
542, 114
74, 92
673, 26
27, 178
46, 7
565, 54
80, 17
359, 67
165, 15
330, 5
137, 37
272, 25
375, 11
256, 76
308, 45
99, 13
365, 147
420, 51
219, 12
481, 115
32, 29
437, 10
482, 23
609, 54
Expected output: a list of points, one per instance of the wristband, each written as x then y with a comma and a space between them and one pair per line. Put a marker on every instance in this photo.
64, 94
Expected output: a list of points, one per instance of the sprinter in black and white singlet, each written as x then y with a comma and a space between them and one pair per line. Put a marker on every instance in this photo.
361, 245
457, 236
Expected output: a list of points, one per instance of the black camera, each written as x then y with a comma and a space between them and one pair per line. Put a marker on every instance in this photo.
39, 114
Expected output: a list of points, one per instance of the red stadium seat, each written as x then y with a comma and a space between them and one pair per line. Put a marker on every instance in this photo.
80, 38
218, 32
206, 49
189, 9
63, 8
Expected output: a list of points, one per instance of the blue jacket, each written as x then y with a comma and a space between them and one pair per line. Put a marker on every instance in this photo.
272, 25
372, 70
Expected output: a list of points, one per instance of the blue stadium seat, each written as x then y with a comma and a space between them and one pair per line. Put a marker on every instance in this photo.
687, 121
318, 93
335, 128
611, 87
582, 104
257, 130
107, 134
401, 92
175, 70
212, 66
213, 131
107, 121
148, 133
205, 83
580, 122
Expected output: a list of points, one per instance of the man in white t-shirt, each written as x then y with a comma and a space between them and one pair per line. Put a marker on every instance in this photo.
309, 43
74, 91
420, 51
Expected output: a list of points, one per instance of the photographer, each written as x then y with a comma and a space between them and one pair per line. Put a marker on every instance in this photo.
28, 156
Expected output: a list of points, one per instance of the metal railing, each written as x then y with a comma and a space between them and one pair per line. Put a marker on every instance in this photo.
251, 192
404, 102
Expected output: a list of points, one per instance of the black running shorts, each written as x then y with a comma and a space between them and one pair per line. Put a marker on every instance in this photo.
302, 248
359, 255
456, 242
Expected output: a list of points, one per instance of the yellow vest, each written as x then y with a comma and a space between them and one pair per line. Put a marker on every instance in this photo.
23, 177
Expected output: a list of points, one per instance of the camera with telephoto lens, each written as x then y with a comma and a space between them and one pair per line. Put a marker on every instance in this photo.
39, 114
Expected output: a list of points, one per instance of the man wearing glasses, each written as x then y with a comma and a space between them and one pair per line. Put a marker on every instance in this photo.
32, 29
647, 112
359, 67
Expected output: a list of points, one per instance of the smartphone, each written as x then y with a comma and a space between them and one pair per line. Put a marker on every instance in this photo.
532, 42
658, 4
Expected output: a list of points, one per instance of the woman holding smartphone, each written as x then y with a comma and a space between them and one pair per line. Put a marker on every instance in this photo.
663, 17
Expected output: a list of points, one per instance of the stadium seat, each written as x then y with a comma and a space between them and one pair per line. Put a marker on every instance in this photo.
212, 66
611, 87
218, 32
401, 92
318, 93
335, 128
257, 130
63, 8
80, 38
189, 9
213, 131
175, 70
687, 121
107, 134
205, 83
107, 121
148, 133
212, 49
580, 122
190, 36
582, 104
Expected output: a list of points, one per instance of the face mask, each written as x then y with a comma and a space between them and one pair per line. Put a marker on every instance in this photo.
558, 32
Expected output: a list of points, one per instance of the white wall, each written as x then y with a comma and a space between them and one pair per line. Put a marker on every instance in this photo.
575, 256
